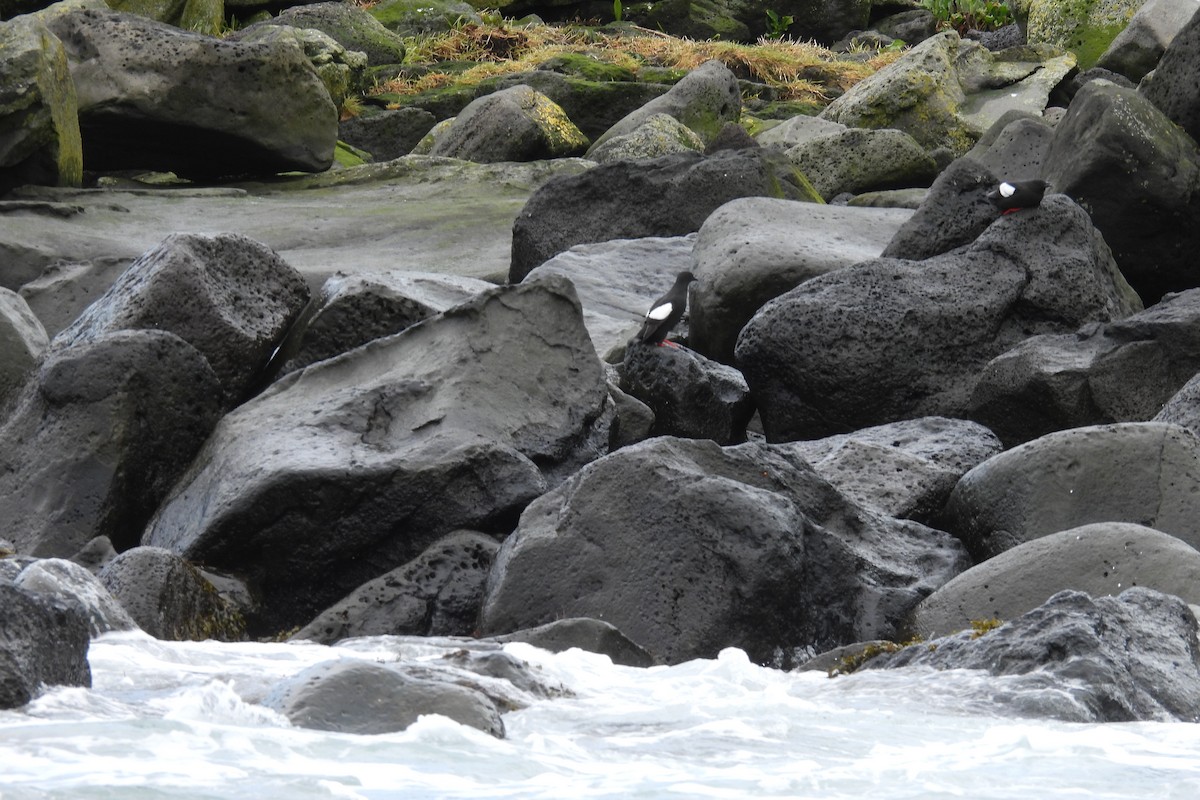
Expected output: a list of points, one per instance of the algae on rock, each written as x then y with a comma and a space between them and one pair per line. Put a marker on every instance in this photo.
946, 92
39, 112
1085, 27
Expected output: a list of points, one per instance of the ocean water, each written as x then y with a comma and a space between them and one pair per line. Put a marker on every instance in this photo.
180, 720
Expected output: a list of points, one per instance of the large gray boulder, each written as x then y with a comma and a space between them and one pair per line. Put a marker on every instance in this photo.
1173, 90
146, 99
230, 297
1081, 659
1138, 48
903, 469
688, 548
704, 100
169, 598
1103, 558
436, 594
98, 437
1138, 175
594, 96
752, 250
1183, 408
387, 134
351, 26
658, 135
946, 92
859, 160
798, 130
1015, 147
342, 71
351, 467
887, 339
73, 585
953, 214
43, 642
39, 110
667, 196
514, 124
1142, 472
362, 697
354, 309
1119, 371
617, 281
690, 395
23, 340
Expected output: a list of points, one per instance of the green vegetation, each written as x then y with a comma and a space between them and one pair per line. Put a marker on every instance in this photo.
964, 15
981, 626
777, 26
794, 71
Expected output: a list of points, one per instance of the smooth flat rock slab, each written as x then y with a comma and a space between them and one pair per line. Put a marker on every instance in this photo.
418, 213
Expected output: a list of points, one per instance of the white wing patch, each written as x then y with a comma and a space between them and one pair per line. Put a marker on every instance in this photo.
1007, 190
659, 312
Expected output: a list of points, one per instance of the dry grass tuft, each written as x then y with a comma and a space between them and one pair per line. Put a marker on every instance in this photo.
795, 70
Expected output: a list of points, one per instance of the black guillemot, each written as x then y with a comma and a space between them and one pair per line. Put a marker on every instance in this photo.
666, 312
1012, 196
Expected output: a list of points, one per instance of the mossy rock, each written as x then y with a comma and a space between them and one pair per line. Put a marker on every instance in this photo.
347, 155
39, 112
659, 135
443, 102
417, 17
786, 109
594, 106
695, 19
1085, 27
586, 67
201, 16
351, 26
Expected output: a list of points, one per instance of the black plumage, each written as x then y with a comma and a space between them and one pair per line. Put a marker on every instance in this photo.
1011, 196
666, 311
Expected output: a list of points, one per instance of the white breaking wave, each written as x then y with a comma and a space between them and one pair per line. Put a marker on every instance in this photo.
183, 720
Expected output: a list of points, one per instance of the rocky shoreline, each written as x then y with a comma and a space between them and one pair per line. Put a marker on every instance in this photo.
402, 397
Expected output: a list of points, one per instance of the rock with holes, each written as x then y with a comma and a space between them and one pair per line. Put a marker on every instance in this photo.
903, 469
1119, 371
355, 309
1142, 472
343, 471
667, 196
436, 594
43, 642
1080, 659
1138, 175
887, 339
99, 435
688, 547
169, 598
230, 297
146, 98
690, 395
752, 250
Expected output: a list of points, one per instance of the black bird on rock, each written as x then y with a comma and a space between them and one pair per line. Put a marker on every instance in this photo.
666, 312
1012, 196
